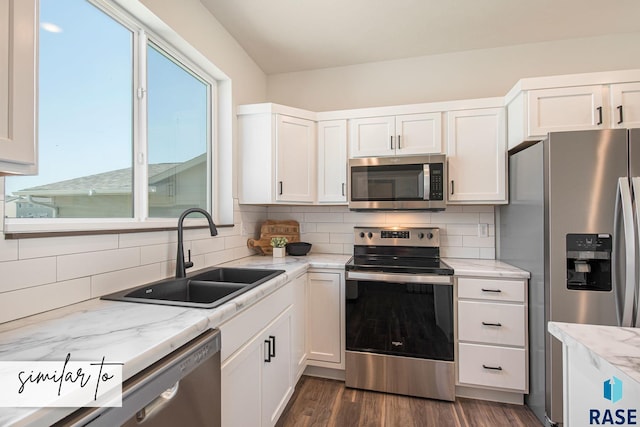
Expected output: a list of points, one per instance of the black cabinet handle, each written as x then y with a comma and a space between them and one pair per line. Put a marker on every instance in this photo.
280, 188
452, 187
599, 115
620, 114
491, 290
398, 141
272, 346
491, 324
343, 189
267, 352
493, 368
391, 140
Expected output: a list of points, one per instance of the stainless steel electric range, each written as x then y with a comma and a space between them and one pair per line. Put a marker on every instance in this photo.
399, 313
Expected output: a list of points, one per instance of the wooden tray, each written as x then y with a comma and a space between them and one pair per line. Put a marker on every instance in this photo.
271, 228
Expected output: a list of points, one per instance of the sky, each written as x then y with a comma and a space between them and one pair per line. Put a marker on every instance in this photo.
86, 90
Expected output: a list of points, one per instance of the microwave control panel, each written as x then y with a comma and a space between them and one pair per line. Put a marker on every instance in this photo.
436, 178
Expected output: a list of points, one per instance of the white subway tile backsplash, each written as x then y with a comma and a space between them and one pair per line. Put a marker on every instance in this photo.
233, 242
408, 218
459, 252
91, 263
8, 250
158, 253
281, 216
211, 244
478, 208
488, 253
487, 218
314, 238
478, 242
26, 273
114, 281
341, 238
328, 248
37, 299
455, 217
450, 240
51, 246
326, 227
366, 218
324, 217
130, 240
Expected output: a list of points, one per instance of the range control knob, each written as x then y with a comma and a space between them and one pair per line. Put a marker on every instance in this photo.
420, 235
362, 234
369, 234
429, 236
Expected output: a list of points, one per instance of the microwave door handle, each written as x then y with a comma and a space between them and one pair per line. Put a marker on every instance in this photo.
427, 181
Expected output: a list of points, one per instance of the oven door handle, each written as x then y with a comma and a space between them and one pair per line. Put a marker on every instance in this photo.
434, 279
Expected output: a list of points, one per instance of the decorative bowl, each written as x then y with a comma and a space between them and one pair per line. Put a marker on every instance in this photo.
298, 248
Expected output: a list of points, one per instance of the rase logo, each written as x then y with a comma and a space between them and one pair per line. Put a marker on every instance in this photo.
612, 391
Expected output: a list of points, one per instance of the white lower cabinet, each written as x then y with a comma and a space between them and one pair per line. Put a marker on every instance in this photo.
298, 327
256, 371
492, 334
325, 327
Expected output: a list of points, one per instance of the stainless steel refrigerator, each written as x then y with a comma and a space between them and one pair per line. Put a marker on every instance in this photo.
572, 222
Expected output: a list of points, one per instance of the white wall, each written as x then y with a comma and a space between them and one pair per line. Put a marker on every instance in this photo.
464, 75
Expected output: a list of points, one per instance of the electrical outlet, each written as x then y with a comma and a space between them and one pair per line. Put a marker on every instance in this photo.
483, 230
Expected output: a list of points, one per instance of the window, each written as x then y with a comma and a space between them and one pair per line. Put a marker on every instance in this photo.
124, 123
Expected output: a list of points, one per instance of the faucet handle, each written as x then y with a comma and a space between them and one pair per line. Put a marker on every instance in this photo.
188, 264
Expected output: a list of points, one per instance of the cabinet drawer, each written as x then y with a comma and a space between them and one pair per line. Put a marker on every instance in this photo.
475, 363
491, 323
491, 289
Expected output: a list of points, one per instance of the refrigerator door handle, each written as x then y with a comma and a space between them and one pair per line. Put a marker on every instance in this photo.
635, 193
624, 291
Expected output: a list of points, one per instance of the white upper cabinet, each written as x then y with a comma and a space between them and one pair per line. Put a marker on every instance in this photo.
277, 157
396, 135
476, 156
625, 105
565, 109
605, 100
18, 95
296, 164
332, 161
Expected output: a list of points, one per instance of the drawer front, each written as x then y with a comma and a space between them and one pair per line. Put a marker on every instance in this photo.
491, 366
491, 323
492, 289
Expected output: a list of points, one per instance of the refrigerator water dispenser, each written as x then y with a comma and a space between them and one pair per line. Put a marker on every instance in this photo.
589, 262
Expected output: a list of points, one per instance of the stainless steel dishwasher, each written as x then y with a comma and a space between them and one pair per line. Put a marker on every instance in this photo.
183, 388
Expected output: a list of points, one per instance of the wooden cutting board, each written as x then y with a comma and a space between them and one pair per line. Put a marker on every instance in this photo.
271, 228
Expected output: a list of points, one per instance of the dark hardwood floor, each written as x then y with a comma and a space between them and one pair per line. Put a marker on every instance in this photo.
321, 402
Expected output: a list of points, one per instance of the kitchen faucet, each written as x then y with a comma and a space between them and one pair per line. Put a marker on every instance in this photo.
181, 265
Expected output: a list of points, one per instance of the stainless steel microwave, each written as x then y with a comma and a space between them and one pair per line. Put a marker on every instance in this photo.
398, 183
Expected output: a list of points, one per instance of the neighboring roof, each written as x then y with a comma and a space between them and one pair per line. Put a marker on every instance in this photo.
112, 182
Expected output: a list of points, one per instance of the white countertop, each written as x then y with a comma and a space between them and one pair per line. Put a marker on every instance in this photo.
485, 268
619, 347
140, 334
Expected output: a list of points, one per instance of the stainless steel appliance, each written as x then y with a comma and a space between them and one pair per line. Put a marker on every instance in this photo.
398, 183
570, 222
399, 314
182, 388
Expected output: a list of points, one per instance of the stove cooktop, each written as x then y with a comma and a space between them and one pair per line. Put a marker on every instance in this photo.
387, 264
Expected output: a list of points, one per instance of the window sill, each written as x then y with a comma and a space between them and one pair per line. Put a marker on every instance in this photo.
26, 229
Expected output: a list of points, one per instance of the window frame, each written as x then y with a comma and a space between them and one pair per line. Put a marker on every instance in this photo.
146, 29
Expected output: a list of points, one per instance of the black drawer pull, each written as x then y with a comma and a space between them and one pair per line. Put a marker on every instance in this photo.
491, 324
599, 115
491, 290
620, 114
493, 368
267, 352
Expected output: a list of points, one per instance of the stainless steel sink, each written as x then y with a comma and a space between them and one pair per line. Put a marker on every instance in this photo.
208, 289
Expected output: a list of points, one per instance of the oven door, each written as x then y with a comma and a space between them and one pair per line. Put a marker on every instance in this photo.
400, 314
399, 334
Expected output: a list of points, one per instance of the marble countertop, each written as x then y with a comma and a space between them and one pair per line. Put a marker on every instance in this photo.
620, 347
140, 334
485, 268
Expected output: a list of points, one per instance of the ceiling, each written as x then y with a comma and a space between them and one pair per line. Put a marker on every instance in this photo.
296, 35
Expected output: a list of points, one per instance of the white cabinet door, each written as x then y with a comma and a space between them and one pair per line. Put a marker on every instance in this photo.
625, 105
332, 161
299, 327
18, 48
325, 297
476, 152
564, 109
372, 136
296, 161
277, 384
419, 134
242, 387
